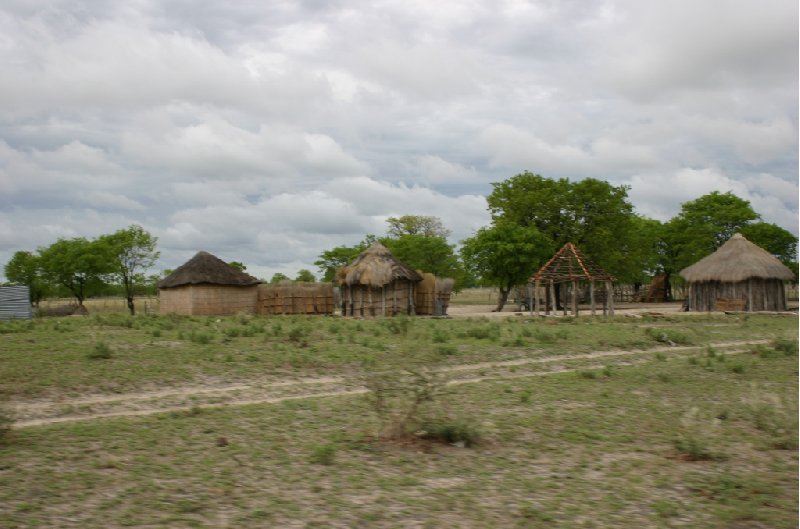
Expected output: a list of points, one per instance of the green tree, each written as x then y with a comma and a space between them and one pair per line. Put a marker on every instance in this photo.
592, 214
774, 239
24, 269
645, 253
428, 254
424, 225
703, 225
331, 260
505, 255
277, 277
305, 276
238, 265
76, 264
130, 252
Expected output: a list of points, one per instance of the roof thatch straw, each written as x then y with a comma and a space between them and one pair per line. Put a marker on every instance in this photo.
375, 267
737, 260
205, 268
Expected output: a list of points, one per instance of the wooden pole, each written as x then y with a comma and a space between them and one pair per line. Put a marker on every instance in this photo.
350, 299
574, 298
591, 296
530, 299
610, 290
750, 295
536, 296
553, 303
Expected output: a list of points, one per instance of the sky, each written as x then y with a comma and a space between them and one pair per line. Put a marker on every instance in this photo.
266, 132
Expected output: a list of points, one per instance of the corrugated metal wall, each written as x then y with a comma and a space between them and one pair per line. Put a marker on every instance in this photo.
15, 303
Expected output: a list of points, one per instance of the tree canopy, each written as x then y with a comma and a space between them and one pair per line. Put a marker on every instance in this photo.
24, 268
592, 214
130, 252
305, 276
424, 225
505, 255
76, 264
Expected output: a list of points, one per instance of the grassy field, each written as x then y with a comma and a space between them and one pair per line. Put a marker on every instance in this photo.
674, 429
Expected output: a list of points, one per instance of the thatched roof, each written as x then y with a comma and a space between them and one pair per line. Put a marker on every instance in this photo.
737, 260
205, 268
569, 264
375, 267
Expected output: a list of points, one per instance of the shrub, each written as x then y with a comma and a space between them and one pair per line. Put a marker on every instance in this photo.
399, 324
101, 351
738, 368
484, 332
458, 432
668, 336
777, 418
200, 337
447, 350
787, 347
6, 419
299, 333
692, 448
322, 454
399, 398
440, 336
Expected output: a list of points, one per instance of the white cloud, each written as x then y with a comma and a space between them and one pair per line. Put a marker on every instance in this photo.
269, 132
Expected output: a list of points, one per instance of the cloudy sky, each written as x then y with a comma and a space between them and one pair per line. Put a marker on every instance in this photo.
269, 131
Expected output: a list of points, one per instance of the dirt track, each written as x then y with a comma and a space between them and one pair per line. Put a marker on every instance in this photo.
186, 398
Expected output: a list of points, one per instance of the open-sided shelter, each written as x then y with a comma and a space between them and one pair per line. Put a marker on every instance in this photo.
738, 276
207, 285
570, 266
377, 284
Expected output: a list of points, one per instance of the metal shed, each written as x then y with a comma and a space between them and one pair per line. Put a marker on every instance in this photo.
15, 303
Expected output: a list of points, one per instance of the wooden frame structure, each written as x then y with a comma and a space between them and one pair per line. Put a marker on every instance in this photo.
570, 266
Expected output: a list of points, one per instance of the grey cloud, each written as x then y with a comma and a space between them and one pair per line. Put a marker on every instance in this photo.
271, 131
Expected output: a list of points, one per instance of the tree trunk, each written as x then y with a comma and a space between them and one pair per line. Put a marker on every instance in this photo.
130, 306
667, 287
502, 298
557, 305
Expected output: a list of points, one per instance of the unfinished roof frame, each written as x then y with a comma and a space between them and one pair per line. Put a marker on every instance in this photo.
570, 265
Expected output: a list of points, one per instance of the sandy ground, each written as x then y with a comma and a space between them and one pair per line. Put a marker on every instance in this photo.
188, 398
513, 309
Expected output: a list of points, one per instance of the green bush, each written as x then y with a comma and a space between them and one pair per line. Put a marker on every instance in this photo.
399, 324
322, 454
6, 419
484, 332
200, 338
452, 431
440, 336
101, 351
668, 336
693, 448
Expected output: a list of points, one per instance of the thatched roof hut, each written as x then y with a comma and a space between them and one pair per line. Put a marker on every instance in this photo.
207, 285
738, 275
377, 283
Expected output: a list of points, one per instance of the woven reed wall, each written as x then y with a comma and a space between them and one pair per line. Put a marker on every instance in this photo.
395, 298
209, 300
296, 298
433, 295
765, 295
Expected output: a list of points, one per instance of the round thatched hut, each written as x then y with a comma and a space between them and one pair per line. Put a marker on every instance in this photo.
207, 285
738, 276
377, 284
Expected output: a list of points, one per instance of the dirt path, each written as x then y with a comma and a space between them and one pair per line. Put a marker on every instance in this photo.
187, 398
